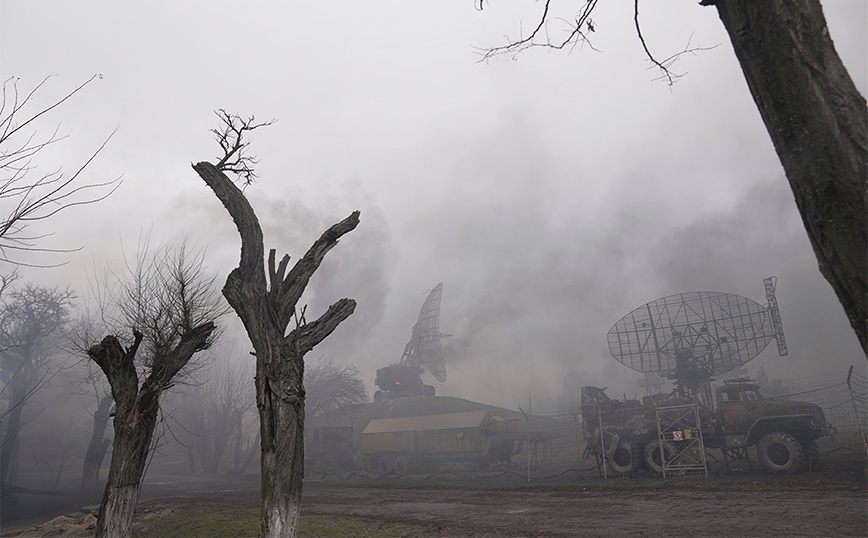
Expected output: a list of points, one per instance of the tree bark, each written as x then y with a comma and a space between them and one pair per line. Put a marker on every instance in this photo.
98, 446
266, 314
818, 122
136, 411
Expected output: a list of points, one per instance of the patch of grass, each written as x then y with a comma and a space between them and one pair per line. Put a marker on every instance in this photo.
201, 522
236, 523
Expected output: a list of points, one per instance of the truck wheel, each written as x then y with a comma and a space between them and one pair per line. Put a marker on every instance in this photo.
384, 466
780, 452
625, 459
401, 465
378, 396
428, 391
652, 455
812, 454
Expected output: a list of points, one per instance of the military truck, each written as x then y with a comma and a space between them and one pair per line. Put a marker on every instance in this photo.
625, 432
328, 448
404, 445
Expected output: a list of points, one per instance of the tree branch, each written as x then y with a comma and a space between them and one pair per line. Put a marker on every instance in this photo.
577, 32
117, 364
166, 366
287, 291
231, 140
579, 27
250, 272
305, 337
33, 200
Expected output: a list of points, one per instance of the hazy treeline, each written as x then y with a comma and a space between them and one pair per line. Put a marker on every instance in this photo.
53, 399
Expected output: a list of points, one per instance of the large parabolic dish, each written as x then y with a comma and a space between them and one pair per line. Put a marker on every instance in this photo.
424, 350
706, 333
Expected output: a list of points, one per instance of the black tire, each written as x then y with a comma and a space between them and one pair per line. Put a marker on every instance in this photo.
812, 455
428, 391
378, 396
652, 455
401, 465
384, 466
780, 453
625, 459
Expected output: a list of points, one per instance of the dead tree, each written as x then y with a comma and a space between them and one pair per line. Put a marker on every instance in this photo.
172, 312
94, 387
267, 304
815, 116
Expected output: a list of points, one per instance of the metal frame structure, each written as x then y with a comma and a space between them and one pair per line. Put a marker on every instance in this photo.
690, 337
680, 427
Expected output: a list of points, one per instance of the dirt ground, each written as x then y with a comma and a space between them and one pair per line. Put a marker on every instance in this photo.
637, 508
752, 504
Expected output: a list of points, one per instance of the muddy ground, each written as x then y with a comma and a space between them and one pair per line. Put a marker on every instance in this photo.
740, 504
634, 508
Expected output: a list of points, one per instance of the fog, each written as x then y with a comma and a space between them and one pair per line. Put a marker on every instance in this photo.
551, 195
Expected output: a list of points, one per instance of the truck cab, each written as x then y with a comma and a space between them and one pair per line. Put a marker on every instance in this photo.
784, 431
739, 405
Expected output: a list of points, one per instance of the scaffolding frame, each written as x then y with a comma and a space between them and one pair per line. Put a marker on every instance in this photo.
679, 432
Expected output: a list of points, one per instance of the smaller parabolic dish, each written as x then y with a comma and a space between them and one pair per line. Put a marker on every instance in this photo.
709, 332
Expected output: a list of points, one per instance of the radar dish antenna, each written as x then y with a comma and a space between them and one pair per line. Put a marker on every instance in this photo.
690, 337
424, 350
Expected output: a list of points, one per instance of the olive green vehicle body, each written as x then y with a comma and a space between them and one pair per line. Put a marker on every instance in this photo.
783, 431
423, 443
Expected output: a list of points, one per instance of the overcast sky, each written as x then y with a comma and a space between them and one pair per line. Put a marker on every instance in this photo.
551, 194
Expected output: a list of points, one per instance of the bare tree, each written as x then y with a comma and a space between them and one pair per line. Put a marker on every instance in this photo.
90, 383
29, 199
266, 306
169, 303
213, 413
329, 387
33, 322
55, 456
97, 448
815, 116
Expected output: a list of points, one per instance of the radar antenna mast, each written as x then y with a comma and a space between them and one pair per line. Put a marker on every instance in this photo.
423, 352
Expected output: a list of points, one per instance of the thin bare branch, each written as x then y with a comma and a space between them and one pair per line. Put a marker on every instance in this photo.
231, 139
30, 200
577, 32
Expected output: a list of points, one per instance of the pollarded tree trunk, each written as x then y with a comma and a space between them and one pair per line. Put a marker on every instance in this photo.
266, 312
136, 412
98, 446
134, 430
818, 122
